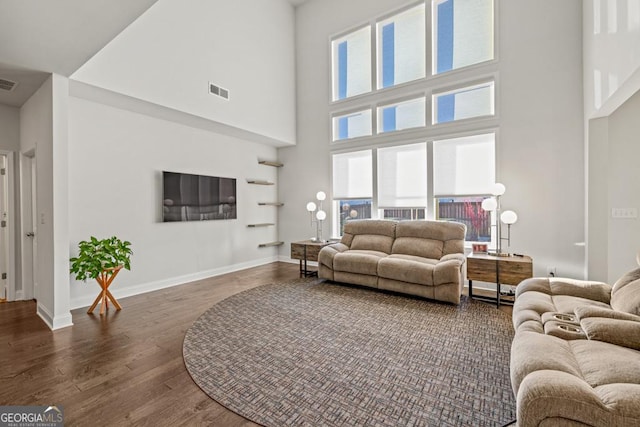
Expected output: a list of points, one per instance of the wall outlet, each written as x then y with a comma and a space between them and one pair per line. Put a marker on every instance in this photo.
551, 271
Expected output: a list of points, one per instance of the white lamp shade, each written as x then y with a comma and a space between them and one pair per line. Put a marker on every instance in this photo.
353, 213
321, 215
311, 206
498, 189
509, 217
489, 204
320, 195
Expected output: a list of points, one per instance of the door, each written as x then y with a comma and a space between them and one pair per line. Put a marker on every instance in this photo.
4, 229
29, 224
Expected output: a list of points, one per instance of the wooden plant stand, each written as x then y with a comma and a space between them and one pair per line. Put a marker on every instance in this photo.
104, 280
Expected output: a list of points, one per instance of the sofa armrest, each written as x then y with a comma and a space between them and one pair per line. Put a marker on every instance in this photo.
625, 333
585, 311
550, 397
326, 254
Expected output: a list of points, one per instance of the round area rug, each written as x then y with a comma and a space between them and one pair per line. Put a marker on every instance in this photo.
313, 353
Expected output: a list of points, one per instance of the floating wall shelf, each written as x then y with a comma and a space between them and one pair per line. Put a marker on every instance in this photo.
270, 244
259, 182
277, 204
269, 163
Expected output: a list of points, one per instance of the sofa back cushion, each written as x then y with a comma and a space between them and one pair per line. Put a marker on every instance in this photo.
625, 294
429, 239
369, 235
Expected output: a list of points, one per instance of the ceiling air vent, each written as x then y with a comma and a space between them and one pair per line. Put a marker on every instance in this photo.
218, 91
7, 85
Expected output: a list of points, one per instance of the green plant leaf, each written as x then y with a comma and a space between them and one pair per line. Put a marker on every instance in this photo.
94, 256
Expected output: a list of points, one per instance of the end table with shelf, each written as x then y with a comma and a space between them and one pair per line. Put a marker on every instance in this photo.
305, 251
501, 270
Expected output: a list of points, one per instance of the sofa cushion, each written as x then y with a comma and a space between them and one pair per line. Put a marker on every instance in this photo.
407, 268
442, 238
369, 234
625, 295
603, 363
358, 261
568, 304
372, 242
416, 246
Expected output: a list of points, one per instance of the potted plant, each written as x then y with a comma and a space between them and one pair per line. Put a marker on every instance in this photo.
102, 260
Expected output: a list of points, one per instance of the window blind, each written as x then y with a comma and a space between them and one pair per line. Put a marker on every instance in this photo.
402, 176
352, 175
464, 166
352, 64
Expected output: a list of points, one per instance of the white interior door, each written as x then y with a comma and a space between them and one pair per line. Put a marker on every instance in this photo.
4, 229
29, 224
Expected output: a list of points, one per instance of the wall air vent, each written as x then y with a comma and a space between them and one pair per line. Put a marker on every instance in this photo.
218, 91
7, 85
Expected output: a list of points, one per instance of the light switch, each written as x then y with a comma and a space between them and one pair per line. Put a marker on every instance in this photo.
624, 213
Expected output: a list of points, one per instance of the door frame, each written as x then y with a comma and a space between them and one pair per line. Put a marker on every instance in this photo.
11, 226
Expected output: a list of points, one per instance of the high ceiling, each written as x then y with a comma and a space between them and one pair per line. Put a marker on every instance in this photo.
42, 37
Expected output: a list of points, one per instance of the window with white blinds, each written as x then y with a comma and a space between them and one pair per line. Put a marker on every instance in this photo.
401, 46
353, 175
351, 56
464, 166
464, 103
352, 125
402, 176
402, 115
462, 33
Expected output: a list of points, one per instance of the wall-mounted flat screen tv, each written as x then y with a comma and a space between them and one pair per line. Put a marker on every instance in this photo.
187, 197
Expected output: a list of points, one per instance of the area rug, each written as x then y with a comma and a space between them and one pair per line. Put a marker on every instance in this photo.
314, 353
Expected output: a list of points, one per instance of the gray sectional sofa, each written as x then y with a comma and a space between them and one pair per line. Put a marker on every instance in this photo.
575, 357
424, 258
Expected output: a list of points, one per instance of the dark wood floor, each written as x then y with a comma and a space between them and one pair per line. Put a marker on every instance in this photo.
123, 368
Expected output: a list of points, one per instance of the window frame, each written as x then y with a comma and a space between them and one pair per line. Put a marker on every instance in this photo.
424, 87
430, 209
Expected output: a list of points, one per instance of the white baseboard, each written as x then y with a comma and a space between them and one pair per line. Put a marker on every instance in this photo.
54, 322
85, 301
20, 295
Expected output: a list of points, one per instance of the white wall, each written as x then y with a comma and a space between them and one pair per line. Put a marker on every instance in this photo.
9, 128
611, 33
611, 54
540, 149
624, 186
116, 159
171, 52
43, 128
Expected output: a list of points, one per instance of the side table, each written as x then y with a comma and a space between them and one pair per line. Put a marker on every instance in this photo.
306, 251
507, 270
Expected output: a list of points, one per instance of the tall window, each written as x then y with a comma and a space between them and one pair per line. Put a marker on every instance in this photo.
464, 171
352, 64
352, 186
401, 47
462, 33
402, 176
464, 166
440, 177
